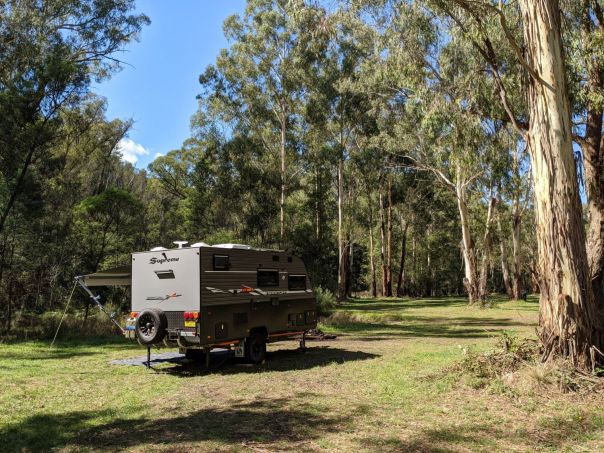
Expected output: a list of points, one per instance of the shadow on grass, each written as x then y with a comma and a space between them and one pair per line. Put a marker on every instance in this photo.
39, 350
418, 326
265, 421
556, 433
385, 304
398, 304
226, 363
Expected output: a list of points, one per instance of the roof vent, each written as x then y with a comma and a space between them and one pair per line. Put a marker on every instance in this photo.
180, 243
233, 246
200, 244
158, 249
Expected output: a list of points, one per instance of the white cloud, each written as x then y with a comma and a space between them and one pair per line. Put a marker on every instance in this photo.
130, 150
158, 155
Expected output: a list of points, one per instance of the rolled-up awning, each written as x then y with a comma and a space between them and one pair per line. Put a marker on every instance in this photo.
117, 276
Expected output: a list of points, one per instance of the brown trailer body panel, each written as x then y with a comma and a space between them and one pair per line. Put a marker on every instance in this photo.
246, 296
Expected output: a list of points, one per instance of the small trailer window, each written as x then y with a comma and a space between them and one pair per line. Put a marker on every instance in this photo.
268, 278
296, 282
221, 263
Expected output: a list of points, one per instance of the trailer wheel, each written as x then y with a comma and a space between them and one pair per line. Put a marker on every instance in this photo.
151, 326
255, 348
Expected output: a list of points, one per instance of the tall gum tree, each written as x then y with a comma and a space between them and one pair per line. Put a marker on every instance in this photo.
582, 40
567, 306
255, 84
568, 321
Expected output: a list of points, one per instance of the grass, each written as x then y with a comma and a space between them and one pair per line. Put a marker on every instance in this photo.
382, 385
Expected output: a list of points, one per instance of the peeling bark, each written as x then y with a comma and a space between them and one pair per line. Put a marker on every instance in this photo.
567, 309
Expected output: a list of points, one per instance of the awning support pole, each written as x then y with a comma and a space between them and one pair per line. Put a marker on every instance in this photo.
97, 300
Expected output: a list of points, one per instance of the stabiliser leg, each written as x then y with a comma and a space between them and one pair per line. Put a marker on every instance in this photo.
303, 342
148, 357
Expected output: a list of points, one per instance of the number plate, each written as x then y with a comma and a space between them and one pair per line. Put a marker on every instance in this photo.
189, 323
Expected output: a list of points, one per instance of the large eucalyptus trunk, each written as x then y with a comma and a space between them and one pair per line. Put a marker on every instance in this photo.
567, 315
593, 162
468, 250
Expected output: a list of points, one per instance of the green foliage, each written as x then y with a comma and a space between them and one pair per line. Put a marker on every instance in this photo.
326, 301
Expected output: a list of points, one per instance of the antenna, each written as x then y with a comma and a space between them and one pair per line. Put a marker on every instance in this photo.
180, 243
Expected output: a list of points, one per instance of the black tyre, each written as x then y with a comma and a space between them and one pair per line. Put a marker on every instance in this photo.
198, 355
255, 348
151, 326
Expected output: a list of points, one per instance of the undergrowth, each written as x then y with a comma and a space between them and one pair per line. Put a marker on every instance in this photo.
515, 366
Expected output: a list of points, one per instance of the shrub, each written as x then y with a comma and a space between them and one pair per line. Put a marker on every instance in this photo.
34, 326
325, 301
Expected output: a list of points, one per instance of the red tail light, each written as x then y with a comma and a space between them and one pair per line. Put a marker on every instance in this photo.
133, 314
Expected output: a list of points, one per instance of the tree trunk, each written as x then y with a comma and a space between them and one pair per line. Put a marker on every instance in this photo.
428, 288
505, 271
400, 284
341, 248
371, 251
388, 291
282, 202
567, 315
383, 246
349, 272
317, 207
593, 163
486, 257
413, 259
468, 251
517, 269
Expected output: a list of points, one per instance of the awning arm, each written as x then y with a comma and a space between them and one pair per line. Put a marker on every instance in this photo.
97, 300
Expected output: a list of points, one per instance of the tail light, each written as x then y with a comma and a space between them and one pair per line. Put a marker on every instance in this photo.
133, 314
191, 315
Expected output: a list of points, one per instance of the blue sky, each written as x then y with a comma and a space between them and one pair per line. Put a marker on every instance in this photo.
158, 87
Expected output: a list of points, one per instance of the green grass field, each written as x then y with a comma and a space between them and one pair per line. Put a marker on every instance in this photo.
385, 384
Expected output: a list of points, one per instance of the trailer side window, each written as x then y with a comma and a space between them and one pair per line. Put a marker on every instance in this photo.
296, 282
268, 278
221, 263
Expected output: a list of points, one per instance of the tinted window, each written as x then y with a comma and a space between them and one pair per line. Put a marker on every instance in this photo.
268, 278
296, 282
221, 263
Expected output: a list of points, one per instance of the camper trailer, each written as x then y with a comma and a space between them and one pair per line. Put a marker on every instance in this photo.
222, 296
